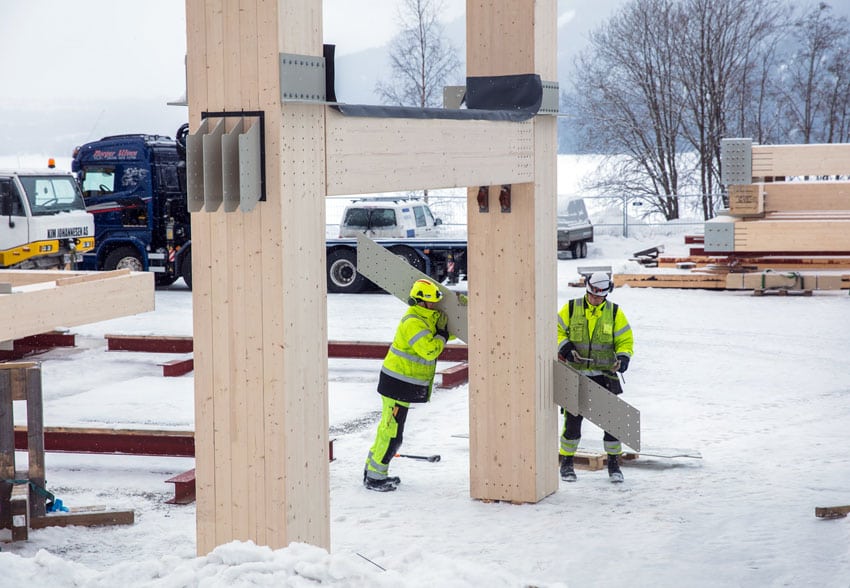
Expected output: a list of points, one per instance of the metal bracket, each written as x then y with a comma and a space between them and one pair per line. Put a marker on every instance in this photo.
302, 78
226, 167
551, 98
483, 199
736, 158
580, 395
505, 198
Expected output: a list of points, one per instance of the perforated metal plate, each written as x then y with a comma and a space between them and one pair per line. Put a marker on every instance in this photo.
736, 159
581, 395
395, 275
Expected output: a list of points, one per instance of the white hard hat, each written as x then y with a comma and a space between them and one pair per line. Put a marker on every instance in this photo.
599, 284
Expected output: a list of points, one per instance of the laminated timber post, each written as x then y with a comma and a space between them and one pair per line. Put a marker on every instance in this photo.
512, 267
260, 320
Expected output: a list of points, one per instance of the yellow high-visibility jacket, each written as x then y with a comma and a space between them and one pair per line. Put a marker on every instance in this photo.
407, 373
599, 333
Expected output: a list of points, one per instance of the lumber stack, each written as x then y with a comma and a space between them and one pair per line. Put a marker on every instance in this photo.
778, 203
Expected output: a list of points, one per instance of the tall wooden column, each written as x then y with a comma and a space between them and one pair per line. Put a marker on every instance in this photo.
260, 319
512, 268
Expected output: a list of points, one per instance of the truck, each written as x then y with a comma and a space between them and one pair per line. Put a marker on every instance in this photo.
45, 224
135, 186
574, 228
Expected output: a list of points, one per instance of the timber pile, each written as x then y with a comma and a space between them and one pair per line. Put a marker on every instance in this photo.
786, 229
778, 204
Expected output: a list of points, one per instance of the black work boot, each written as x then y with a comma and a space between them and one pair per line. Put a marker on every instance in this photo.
380, 484
568, 473
614, 472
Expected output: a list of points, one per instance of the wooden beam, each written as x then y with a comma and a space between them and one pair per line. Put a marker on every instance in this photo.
511, 258
88, 518
367, 155
788, 196
46, 307
828, 159
261, 399
803, 236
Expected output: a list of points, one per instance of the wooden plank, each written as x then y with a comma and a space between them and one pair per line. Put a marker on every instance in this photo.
44, 309
370, 155
803, 236
19, 506
454, 375
91, 277
788, 196
35, 436
197, 87
253, 296
691, 280
7, 447
177, 367
831, 512
801, 160
512, 306
149, 343
84, 519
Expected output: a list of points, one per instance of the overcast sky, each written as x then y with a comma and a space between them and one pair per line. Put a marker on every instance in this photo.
75, 70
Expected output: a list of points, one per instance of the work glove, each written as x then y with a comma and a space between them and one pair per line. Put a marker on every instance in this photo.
463, 299
565, 353
624, 362
442, 321
443, 333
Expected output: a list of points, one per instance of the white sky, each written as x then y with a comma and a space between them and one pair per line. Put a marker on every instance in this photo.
59, 53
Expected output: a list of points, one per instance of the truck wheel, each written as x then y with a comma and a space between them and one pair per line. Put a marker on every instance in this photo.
410, 256
583, 250
124, 258
342, 272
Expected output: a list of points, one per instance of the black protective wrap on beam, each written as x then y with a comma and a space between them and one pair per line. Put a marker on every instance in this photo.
514, 98
522, 92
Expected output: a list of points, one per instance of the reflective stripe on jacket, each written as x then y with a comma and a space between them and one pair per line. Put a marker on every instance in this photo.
599, 333
407, 373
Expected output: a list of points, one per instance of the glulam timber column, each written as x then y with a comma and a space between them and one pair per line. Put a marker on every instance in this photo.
512, 268
259, 304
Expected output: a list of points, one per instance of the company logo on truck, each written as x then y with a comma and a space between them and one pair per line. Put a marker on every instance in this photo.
66, 232
120, 154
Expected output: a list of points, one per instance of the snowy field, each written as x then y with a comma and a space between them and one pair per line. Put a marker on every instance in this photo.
760, 386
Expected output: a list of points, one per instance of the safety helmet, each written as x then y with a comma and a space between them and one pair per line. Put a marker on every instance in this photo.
425, 290
599, 284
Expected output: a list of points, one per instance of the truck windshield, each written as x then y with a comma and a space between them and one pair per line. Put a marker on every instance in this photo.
52, 194
98, 181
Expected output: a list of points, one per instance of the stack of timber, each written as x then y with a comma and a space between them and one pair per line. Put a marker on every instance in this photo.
778, 203
787, 228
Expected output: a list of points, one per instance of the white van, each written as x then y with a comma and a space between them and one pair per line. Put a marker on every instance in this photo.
388, 218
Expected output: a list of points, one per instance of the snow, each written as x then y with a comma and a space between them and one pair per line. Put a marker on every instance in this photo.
758, 385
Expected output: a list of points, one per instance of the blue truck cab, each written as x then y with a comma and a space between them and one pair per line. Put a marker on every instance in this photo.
135, 186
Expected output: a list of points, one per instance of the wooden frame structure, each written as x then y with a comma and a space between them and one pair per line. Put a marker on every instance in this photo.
259, 278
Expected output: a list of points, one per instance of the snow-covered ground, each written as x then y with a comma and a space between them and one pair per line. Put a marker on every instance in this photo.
760, 386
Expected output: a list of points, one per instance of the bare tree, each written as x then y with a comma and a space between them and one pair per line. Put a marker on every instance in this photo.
814, 75
422, 60
722, 43
626, 105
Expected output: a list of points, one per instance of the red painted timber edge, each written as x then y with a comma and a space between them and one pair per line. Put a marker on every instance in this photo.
371, 350
149, 344
455, 375
133, 442
176, 444
36, 344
